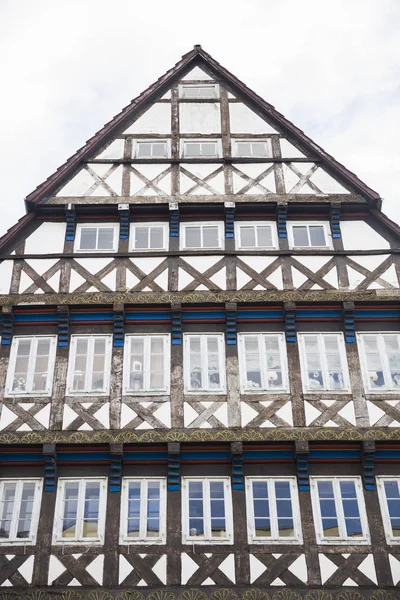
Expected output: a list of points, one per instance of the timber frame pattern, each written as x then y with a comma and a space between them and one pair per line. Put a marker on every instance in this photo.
230, 291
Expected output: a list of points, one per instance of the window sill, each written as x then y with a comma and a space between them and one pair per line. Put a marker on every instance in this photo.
189, 542
150, 542
269, 542
344, 543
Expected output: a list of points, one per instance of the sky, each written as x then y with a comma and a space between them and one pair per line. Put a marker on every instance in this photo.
68, 66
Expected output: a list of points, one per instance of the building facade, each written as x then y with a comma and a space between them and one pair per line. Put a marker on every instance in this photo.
200, 363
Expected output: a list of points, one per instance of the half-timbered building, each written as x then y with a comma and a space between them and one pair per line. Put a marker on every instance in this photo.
200, 363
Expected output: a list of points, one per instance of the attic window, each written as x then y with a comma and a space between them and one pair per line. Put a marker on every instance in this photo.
96, 238
200, 149
151, 149
198, 92
249, 148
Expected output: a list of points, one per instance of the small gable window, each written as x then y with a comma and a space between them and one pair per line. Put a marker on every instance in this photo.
200, 149
305, 235
201, 235
151, 149
198, 92
149, 237
253, 149
97, 238
255, 235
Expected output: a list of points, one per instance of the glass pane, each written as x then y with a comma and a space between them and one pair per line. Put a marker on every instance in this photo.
330, 528
193, 237
192, 149
141, 238
195, 508
216, 489
26, 507
392, 489
71, 491
262, 527
157, 363
261, 508
133, 528
300, 237
156, 237
210, 237
264, 235
159, 149
253, 363
348, 489
21, 365
244, 148
41, 365
195, 489
325, 489
260, 489
317, 235
218, 528
136, 363
247, 237
196, 380
196, 527
285, 528
395, 527
259, 149
144, 150
209, 149
90, 529
153, 528
88, 238
6, 508
106, 238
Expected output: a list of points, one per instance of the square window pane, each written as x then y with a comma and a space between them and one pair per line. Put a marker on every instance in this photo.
88, 238
317, 235
156, 238
243, 148
392, 489
192, 149
210, 237
247, 237
192, 237
262, 527
260, 489
144, 150
209, 149
300, 237
264, 235
141, 238
106, 238
196, 527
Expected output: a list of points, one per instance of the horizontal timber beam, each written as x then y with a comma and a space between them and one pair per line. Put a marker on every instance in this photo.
202, 435
92, 298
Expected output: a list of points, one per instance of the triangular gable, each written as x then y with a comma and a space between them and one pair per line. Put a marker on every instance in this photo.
198, 64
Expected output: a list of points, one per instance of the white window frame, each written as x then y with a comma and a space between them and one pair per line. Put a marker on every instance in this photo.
89, 371
218, 148
164, 227
136, 144
308, 224
380, 481
383, 356
32, 359
255, 224
37, 501
143, 539
167, 364
266, 142
212, 86
81, 226
207, 538
59, 512
274, 538
201, 224
343, 359
342, 538
245, 389
203, 345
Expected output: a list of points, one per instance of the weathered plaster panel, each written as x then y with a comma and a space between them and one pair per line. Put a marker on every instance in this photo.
48, 238
358, 235
156, 120
244, 120
200, 118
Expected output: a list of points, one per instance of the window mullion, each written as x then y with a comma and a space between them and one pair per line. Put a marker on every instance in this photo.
262, 353
31, 365
143, 509
273, 509
146, 362
340, 510
385, 362
324, 361
204, 361
97, 237
207, 509
16, 510
89, 365
80, 510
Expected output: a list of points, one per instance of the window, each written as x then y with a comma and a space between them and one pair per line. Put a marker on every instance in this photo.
89, 364
149, 237
201, 235
248, 148
389, 498
19, 510
80, 510
147, 364
255, 235
380, 361
207, 511
323, 362
151, 149
97, 238
200, 149
204, 363
143, 511
195, 92
313, 235
273, 510
339, 510
31, 366
262, 360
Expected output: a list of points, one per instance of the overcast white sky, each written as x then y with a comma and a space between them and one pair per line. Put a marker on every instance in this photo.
68, 66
